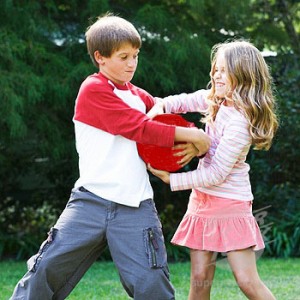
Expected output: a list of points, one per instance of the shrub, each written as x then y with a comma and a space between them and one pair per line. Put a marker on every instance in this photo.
284, 238
23, 228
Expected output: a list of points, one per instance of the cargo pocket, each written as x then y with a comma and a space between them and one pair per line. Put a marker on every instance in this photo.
155, 247
33, 262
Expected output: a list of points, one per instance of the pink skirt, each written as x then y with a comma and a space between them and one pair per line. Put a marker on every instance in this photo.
218, 224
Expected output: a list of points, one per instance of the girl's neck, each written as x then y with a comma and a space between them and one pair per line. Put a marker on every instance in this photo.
227, 102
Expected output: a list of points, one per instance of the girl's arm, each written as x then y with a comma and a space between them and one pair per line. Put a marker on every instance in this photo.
194, 146
157, 109
183, 103
187, 151
234, 146
163, 175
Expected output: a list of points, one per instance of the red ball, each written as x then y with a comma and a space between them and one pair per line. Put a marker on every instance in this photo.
162, 158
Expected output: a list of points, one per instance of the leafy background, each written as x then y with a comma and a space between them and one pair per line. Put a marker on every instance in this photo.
43, 60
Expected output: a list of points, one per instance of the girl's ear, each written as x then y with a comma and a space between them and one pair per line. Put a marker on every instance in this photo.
98, 58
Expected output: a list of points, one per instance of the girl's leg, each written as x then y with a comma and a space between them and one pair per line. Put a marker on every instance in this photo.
243, 265
202, 273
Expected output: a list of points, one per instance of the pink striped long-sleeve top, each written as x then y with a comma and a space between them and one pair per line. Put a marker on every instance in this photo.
223, 172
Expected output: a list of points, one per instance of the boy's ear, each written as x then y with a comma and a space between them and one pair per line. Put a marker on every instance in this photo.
98, 57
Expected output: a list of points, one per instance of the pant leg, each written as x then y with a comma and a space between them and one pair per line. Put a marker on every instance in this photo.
137, 247
74, 243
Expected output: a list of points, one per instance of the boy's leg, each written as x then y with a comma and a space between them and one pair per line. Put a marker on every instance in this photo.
137, 247
73, 244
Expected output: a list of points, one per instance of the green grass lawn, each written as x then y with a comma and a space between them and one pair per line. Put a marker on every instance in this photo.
282, 276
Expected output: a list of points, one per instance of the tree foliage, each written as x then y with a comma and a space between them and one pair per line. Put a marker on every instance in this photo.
43, 60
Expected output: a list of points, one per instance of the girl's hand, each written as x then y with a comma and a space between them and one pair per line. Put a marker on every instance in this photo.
203, 143
188, 151
163, 175
157, 109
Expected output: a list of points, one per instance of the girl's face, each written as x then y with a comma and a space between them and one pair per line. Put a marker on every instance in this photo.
220, 78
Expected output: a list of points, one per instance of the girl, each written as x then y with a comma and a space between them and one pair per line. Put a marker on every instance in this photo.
239, 111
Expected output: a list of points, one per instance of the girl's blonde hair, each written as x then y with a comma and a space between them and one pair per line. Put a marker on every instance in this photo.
250, 90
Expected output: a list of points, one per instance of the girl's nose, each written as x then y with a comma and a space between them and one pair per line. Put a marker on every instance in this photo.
217, 74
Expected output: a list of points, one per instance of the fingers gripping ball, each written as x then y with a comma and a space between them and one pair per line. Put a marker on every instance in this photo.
162, 158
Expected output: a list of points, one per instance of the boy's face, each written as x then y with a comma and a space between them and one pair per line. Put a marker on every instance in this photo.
121, 65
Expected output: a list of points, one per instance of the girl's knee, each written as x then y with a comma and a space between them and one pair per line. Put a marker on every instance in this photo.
201, 280
248, 284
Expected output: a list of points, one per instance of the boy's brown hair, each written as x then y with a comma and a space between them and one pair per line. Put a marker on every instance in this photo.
108, 34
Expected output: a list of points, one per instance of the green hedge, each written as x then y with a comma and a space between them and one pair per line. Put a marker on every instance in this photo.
36, 191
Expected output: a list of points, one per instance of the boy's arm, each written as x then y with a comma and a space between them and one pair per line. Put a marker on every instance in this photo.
99, 106
193, 135
183, 103
187, 151
198, 138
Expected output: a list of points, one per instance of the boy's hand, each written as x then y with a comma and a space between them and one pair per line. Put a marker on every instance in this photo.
193, 135
163, 175
157, 109
188, 151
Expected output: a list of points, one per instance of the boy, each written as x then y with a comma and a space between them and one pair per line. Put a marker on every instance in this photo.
111, 203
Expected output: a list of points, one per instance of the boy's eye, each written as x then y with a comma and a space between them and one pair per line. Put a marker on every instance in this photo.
125, 57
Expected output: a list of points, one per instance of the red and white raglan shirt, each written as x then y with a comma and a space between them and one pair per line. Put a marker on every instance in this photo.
109, 119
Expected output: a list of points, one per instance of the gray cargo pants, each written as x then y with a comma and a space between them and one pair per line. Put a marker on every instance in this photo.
86, 226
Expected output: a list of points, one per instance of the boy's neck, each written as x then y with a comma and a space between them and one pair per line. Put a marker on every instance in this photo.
117, 85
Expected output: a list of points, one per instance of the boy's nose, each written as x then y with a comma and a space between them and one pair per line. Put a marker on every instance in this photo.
132, 62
